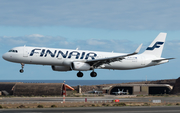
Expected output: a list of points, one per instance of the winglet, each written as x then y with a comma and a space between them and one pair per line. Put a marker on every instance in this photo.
138, 49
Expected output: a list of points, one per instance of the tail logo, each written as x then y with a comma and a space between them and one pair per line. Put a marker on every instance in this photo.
156, 45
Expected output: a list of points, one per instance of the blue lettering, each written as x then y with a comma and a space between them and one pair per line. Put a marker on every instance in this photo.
92, 55
33, 51
63, 55
48, 51
82, 56
42, 52
76, 54
72, 54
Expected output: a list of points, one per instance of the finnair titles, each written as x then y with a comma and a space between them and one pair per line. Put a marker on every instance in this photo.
79, 60
65, 54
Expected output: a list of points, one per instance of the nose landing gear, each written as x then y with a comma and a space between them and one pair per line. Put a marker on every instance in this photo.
21, 70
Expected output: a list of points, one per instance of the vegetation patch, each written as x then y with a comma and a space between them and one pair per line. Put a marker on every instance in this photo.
53, 106
119, 104
93, 105
40, 106
169, 104
146, 104
106, 104
21, 106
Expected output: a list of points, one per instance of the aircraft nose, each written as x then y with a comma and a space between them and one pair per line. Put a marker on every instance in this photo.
5, 56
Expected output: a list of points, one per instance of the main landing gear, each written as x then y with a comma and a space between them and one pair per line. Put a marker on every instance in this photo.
80, 74
93, 74
21, 70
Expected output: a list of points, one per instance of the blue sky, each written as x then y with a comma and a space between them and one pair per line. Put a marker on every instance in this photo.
116, 25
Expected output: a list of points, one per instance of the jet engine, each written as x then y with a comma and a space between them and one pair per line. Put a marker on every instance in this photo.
80, 66
61, 68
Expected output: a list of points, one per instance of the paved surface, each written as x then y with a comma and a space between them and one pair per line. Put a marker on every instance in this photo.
148, 109
171, 109
82, 99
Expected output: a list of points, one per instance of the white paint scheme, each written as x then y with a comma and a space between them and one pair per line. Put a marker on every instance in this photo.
95, 59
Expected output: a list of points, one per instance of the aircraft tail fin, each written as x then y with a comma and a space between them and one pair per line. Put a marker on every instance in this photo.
156, 47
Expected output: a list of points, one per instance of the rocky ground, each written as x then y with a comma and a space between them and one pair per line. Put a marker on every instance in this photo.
176, 88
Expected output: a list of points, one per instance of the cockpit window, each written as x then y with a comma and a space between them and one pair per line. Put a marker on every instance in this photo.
14, 51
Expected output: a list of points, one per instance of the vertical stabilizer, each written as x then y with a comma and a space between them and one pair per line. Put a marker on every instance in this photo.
156, 47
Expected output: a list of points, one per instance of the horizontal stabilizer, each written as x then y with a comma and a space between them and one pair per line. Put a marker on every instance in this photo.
159, 60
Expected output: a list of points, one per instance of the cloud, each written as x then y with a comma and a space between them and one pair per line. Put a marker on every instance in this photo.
114, 14
95, 42
16, 42
125, 46
61, 42
32, 40
35, 35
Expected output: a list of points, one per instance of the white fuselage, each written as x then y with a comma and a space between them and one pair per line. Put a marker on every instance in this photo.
63, 57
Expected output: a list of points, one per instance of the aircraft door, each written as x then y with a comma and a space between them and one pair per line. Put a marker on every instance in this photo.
25, 51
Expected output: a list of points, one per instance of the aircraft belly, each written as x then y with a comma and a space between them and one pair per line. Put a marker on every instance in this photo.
123, 65
41, 61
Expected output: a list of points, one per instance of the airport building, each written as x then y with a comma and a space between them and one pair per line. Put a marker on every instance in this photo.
52, 89
139, 89
30, 89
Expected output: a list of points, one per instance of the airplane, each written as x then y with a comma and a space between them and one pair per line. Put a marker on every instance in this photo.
120, 92
95, 92
82, 60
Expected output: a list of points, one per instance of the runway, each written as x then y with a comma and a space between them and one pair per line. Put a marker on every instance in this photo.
5, 101
89, 99
165, 109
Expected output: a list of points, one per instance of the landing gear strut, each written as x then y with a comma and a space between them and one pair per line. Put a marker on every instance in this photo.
93, 74
21, 70
79, 74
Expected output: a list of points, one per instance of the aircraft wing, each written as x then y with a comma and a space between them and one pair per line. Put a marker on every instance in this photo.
159, 60
97, 62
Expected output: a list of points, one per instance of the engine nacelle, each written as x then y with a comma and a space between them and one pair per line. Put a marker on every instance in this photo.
61, 68
80, 66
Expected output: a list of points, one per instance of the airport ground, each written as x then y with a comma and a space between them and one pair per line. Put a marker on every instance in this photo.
103, 101
144, 109
86, 103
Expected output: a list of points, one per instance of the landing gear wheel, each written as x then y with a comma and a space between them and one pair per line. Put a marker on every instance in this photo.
21, 70
93, 74
79, 74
